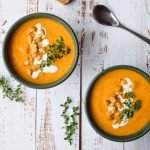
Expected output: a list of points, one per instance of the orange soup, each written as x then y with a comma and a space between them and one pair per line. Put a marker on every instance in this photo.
41, 51
119, 102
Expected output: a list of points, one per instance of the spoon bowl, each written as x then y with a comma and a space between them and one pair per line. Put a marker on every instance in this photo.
104, 16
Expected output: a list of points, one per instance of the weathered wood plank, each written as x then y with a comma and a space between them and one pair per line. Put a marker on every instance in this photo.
95, 52
49, 122
96, 46
17, 123
136, 52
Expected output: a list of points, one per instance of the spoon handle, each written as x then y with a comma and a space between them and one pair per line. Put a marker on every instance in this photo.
135, 33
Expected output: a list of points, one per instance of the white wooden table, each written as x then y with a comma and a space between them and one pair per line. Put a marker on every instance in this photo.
36, 124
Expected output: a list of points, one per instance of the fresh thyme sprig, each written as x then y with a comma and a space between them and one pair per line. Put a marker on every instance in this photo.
56, 51
132, 107
59, 49
70, 123
13, 95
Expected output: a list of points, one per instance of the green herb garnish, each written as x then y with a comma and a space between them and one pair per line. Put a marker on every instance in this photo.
130, 113
59, 49
130, 95
56, 51
132, 107
48, 62
137, 105
128, 104
8, 92
69, 120
131, 110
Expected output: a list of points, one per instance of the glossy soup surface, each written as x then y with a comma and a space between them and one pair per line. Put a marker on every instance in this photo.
109, 84
18, 50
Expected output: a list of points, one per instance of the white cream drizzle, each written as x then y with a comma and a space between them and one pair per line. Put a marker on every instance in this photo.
50, 69
127, 87
35, 74
38, 62
110, 108
39, 28
45, 43
117, 125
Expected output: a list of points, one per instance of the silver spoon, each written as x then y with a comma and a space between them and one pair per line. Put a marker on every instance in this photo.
104, 16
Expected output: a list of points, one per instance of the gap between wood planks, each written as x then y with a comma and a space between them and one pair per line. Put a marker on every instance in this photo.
83, 13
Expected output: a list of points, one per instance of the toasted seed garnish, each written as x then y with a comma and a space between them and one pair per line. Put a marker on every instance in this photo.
33, 45
118, 105
30, 39
112, 99
123, 81
115, 121
111, 104
34, 51
39, 39
32, 29
27, 62
35, 68
118, 113
42, 50
42, 32
39, 57
29, 72
114, 110
108, 102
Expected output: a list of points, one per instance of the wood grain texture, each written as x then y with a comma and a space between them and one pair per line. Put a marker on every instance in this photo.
17, 123
52, 136
36, 124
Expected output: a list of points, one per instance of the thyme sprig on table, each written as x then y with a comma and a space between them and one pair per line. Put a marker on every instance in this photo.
70, 123
13, 95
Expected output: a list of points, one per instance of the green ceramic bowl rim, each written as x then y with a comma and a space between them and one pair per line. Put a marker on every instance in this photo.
14, 27
128, 138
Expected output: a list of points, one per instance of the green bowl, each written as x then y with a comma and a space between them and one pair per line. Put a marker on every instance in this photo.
93, 124
6, 43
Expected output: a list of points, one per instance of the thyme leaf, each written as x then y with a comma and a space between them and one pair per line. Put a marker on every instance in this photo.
137, 105
130, 95
59, 49
129, 112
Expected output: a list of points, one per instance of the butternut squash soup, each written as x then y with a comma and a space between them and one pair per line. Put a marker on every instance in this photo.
41, 50
119, 102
